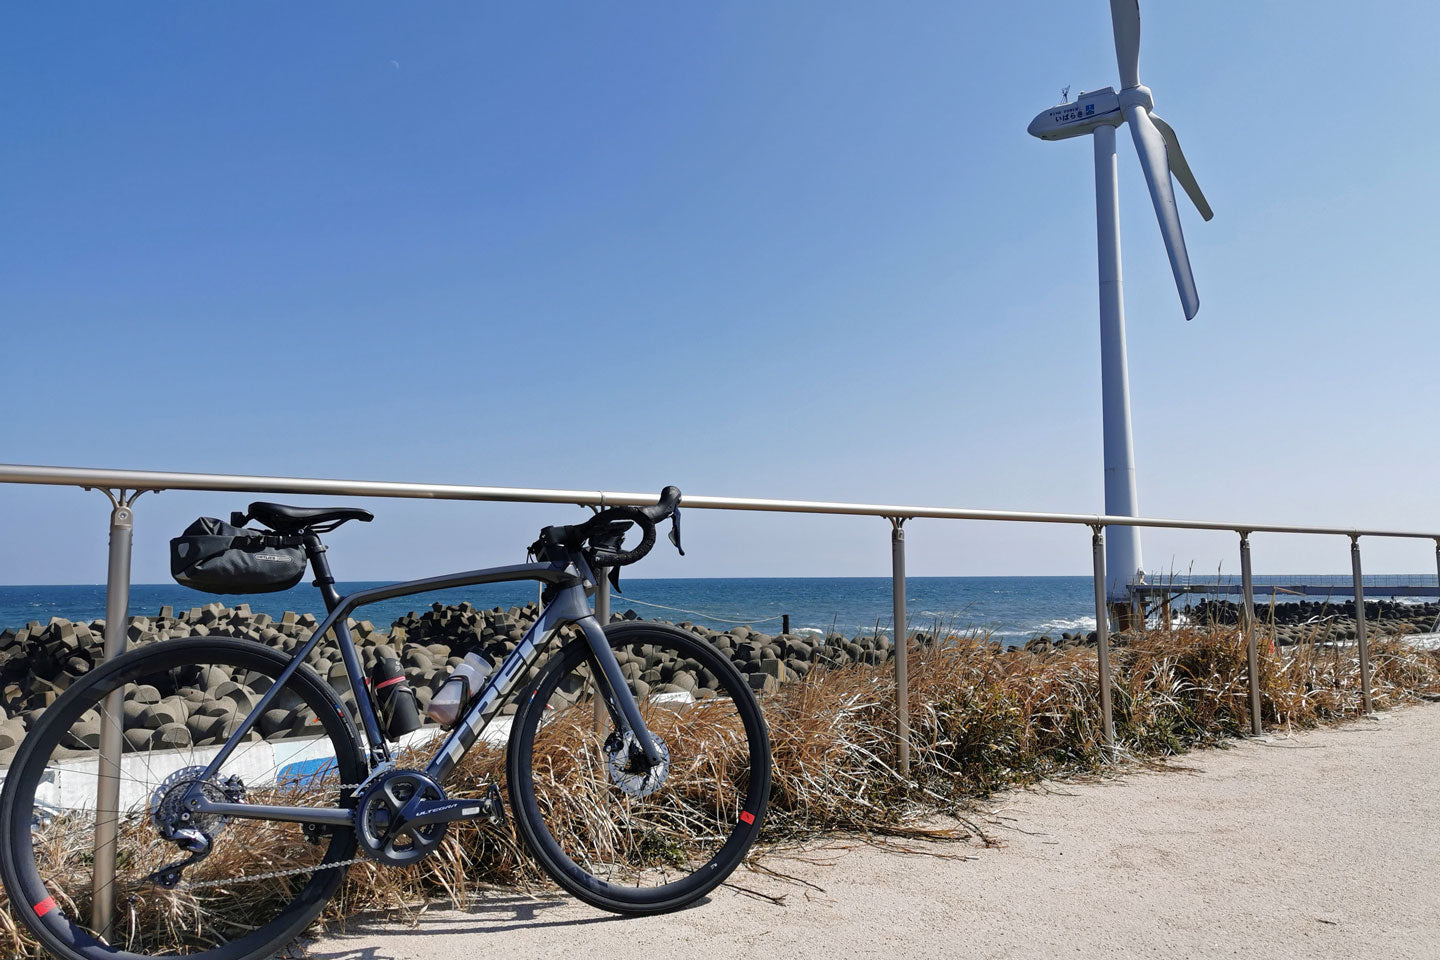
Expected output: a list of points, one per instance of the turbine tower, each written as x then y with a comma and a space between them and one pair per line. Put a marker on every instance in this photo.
1098, 113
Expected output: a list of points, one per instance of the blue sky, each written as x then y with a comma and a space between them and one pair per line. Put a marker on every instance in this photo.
789, 250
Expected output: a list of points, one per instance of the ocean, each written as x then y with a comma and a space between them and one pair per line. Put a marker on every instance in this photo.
1012, 608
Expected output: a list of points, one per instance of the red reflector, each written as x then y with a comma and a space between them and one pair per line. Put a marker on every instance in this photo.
746, 816
391, 682
44, 906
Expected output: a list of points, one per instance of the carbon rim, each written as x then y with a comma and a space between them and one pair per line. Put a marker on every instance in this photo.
668, 847
49, 832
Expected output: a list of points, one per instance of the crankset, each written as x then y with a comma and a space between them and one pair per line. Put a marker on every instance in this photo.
400, 818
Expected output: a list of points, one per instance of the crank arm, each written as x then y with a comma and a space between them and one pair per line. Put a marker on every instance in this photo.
422, 813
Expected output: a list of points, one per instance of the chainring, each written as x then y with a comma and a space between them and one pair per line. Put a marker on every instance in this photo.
381, 831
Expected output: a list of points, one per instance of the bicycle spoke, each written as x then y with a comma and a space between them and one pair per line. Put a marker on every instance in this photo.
598, 808
239, 876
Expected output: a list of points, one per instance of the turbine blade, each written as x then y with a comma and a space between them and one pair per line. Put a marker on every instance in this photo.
1125, 19
1181, 168
1154, 161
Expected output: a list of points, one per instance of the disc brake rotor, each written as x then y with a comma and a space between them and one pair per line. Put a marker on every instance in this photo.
630, 771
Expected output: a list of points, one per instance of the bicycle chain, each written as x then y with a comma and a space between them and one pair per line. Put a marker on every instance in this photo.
272, 874
275, 874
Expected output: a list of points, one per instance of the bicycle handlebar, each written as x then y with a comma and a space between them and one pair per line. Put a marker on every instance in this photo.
602, 536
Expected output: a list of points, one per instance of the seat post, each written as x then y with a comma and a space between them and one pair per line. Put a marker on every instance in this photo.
324, 579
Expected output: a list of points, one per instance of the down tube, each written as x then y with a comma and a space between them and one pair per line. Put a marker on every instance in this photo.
567, 608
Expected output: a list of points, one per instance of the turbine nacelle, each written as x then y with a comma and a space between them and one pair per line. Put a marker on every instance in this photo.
1097, 108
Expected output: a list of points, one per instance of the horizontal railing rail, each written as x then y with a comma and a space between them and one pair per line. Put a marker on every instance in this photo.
150, 480
123, 486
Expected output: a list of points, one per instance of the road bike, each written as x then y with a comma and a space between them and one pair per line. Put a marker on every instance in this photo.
636, 795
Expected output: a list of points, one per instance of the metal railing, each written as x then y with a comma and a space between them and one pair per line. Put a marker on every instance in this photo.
123, 486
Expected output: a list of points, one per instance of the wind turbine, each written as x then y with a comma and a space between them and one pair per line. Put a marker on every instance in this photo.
1098, 113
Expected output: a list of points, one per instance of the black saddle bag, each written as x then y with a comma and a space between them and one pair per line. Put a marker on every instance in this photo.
215, 557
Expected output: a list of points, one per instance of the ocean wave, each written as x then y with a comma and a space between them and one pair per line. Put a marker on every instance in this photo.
944, 616
1079, 623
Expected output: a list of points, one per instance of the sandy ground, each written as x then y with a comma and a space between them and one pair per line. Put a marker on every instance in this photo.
1318, 845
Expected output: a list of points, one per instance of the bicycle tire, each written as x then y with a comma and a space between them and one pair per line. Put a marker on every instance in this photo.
742, 814
47, 910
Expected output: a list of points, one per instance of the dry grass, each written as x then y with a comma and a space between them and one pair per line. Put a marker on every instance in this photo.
982, 720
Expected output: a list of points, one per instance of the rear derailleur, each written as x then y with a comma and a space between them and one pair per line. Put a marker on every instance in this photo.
191, 832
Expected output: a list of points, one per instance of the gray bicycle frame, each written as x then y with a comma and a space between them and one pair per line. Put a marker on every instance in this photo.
569, 604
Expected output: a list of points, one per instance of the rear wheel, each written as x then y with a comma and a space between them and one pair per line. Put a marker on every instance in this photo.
261, 882
609, 829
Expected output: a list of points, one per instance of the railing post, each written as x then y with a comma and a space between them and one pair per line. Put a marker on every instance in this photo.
1102, 634
1437, 569
112, 717
1360, 638
902, 639
1252, 646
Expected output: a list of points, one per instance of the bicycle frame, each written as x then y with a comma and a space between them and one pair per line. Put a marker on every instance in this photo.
567, 603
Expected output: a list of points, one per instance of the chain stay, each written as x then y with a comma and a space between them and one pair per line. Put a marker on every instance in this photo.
274, 874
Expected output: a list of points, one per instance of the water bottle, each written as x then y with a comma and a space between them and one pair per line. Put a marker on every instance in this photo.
464, 682
399, 711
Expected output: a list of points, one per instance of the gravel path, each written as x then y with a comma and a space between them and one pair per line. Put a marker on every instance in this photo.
1318, 845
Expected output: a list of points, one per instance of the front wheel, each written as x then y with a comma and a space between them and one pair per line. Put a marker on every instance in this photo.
627, 839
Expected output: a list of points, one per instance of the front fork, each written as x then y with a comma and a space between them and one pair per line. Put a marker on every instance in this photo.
624, 711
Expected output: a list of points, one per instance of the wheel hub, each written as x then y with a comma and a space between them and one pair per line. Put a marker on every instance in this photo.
169, 812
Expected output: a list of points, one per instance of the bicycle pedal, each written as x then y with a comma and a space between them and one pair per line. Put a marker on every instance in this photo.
497, 805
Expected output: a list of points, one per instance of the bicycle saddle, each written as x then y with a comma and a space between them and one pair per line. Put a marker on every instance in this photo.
283, 519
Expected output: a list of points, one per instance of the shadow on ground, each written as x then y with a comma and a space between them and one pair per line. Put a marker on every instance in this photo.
493, 912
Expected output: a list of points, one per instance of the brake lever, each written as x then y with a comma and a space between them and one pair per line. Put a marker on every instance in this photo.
614, 578
675, 530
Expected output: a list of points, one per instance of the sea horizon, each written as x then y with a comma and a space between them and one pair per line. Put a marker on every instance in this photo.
1012, 607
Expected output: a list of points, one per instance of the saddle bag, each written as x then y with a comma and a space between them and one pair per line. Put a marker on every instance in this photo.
216, 557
